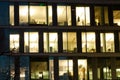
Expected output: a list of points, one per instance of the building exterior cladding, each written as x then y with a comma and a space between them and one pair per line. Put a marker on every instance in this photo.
59, 40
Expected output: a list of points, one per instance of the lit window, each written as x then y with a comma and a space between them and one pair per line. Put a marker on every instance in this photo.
64, 15
50, 42
11, 15
82, 69
88, 42
23, 17
116, 17
107, 42
65, 69
35, 14
14, 42
69, 42
41, 14
31, 42
82, 16
101, 16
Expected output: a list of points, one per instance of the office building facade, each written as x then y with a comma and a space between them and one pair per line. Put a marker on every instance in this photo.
59, 40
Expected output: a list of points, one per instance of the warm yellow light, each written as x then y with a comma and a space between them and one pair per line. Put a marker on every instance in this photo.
23, 10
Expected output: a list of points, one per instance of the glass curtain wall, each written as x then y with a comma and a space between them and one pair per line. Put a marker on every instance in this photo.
31, 43
50, 42
69, 42
65, 69
64, 15
82, 16
107, 42
88, 42
14, 42
101, 16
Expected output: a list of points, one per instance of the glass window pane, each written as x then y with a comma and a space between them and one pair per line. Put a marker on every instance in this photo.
50, 13
116, 17
88, 42
23, 15
50, 42
51, 68
65, 69
31, 42
101, 16
64, 15
82, 69
82, 16
11, 15
69, 42
14, 42
107, 42
39, 70
38, 14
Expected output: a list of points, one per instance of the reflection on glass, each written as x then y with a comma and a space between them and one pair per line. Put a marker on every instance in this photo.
50, 42
23, 15
101, 16
14, 42
69, 42
116, 17
11, 15
82, 16
82, 69
107, 42
88, 42
65, 69
64, 15
31, 42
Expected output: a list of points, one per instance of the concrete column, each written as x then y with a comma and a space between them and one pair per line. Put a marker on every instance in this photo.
17, 68
94, 68
75, 69
56, 68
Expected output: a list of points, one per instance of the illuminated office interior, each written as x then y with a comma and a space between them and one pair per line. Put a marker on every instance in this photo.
59, 40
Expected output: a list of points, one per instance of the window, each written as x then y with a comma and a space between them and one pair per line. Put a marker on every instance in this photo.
14, 42
35, 14
101, 15
11, 15
31, 42
69, 42
82, 16
88, 42
39, 70
64, 15
116, 17
107, 42
65, 69
82, 69
50, 42
23, 17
